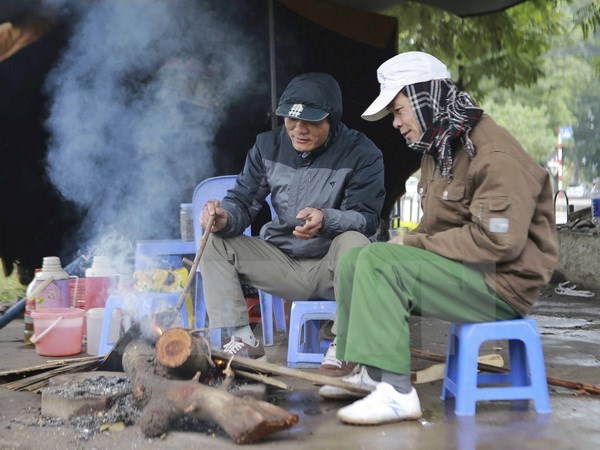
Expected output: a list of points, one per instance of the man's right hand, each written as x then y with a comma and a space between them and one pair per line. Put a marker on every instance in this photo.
211, 208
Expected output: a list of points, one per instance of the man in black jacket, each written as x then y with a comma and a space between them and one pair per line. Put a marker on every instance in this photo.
327, 188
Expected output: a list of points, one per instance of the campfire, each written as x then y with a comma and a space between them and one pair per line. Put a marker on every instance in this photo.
171, 378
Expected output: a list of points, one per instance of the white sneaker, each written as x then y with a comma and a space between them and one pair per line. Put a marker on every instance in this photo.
384, 405
360, 377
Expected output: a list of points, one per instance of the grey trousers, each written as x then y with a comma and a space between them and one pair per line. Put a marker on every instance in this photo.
226, 261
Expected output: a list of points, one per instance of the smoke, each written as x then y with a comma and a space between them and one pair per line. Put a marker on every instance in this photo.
136, 99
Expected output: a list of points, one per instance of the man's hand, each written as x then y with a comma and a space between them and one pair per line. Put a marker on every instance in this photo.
313, 218
211, 208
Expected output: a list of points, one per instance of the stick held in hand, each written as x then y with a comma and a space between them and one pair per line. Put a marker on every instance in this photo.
201, 246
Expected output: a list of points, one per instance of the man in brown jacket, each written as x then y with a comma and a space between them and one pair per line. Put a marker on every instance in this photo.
486, 243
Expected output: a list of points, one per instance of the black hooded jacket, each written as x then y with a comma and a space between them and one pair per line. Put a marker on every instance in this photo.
343, 177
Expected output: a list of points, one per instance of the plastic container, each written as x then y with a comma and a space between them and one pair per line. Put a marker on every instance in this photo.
100, 281
65, 338
595, 194
55, 293
77, 293
186, 221
29, 306
93, 322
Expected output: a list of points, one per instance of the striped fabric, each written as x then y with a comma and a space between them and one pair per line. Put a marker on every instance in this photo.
446, 114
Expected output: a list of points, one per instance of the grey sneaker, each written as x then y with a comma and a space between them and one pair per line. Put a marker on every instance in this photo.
237, 347
384, 405
360, 377
331, 366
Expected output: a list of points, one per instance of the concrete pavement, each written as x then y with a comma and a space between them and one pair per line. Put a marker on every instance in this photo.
570, 333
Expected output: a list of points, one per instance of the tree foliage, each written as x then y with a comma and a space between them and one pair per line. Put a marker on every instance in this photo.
585, 151
534, 67
528, 124
507, 45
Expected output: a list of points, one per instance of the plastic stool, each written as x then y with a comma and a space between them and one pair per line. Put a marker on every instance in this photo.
526, 379
146, 303
147, 253
270, 306
305, 316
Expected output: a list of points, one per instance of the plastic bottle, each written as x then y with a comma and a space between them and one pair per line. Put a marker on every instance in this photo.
100, 280
595, 194
29, 306
186, 222
49, 289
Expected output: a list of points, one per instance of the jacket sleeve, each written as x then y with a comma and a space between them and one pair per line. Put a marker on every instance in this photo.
245, 199
363, 198
501, 210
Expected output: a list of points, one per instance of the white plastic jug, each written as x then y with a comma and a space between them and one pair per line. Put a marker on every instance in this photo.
93, 321
56, 293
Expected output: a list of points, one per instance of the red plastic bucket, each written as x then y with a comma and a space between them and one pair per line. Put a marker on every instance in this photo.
65, 338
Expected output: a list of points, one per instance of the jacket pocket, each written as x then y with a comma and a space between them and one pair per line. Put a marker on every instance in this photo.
453, 192
494, 215
449, 201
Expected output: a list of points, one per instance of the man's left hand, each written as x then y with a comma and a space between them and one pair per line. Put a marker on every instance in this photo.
313, 218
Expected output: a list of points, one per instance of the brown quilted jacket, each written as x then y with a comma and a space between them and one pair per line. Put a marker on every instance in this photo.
495, 211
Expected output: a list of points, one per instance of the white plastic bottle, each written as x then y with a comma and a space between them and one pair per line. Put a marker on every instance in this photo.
29, 306
49, 289
595, 194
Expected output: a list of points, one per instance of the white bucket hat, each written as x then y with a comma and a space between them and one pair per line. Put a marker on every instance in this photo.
399, 71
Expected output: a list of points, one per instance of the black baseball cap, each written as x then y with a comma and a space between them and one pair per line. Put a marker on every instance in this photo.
301, 111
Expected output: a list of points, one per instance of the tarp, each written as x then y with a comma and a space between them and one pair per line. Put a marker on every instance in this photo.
361, 20
9, 9
462, 8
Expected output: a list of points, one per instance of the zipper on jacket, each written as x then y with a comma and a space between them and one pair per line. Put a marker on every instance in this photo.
480, 215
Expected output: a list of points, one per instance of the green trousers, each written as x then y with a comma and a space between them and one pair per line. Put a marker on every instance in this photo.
381, 285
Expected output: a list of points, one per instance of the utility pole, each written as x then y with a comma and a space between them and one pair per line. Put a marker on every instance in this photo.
559, 151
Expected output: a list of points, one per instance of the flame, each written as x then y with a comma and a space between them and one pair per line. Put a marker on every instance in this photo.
157, 329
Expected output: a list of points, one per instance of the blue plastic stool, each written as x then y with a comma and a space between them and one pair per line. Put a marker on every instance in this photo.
147, 302
164, 253
306, 348
525, 381
271, 306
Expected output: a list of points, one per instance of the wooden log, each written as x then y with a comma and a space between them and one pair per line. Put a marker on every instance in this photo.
182, 354
437, 371
262, 378
245, 420
239, 361
185, 355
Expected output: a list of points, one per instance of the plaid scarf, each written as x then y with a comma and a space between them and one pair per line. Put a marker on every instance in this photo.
445, 114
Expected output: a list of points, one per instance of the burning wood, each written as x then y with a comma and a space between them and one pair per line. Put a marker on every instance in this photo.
245, 420
183, 354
